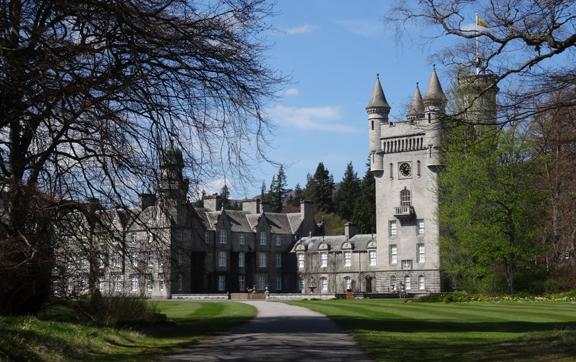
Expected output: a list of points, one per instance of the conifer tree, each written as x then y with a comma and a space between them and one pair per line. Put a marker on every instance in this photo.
364, 215
225, 198
277, 190
348, 193
319, 189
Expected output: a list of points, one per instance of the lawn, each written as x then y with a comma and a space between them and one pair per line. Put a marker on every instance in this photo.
32, 339
391, 330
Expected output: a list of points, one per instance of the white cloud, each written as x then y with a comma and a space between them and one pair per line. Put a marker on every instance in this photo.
364, 28
306, 28
292, 92
323, 118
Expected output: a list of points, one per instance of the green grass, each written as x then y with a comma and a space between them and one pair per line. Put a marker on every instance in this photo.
32, 339
391, 330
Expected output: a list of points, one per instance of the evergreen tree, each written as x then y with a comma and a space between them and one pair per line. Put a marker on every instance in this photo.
277, 191
348, 193
364, 215
225, 197
297, 197
263, 192
319, 189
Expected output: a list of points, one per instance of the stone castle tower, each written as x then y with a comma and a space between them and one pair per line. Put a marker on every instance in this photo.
404, 158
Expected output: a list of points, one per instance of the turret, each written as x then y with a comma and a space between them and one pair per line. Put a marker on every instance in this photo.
434, 100
477, 94
417, 107
172, 184
378, 110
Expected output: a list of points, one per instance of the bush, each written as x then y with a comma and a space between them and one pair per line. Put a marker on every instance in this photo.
117, 309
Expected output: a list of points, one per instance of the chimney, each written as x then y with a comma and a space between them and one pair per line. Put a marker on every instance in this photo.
212, 203
146, 200
306, 209
252, 206
265, 206
350, 230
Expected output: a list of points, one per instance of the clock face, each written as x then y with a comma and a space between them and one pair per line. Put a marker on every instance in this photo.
405, 169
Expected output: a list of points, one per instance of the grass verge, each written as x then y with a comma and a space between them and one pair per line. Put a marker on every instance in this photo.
32, 339
390, 330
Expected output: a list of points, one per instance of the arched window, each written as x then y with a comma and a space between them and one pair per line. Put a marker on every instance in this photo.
407, 282
405, 199
421, 284
347, 283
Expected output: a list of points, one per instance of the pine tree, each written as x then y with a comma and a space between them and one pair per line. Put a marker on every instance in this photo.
319, 189
297, 197
364, 215
277, 190
348, 193
263, 192
225, 197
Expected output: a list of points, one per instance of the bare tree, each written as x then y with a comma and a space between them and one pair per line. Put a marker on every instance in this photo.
91, 91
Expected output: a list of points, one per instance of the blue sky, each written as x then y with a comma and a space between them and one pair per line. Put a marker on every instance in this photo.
333, 49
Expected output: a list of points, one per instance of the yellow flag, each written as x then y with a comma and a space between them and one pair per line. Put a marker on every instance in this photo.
481, 22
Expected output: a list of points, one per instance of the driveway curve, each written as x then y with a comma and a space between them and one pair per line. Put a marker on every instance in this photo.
280, 332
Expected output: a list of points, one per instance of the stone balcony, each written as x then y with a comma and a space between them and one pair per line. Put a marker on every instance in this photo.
403, 212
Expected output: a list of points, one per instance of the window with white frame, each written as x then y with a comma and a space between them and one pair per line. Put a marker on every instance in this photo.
407, 282
161, 282
180, 282
134, 258
421, 282
150, 258
393, 282
242, 282
392, 228
261, 282
372, 257
421, 256
149, 282
116, 259
221, 283
324, 284
241, 259
116, 283
134, 282
420, 227
278, 260
300, 284
223, 237
278, 283
347, 283
263, 238
133, 237
150, 237
242, 239
207, 237
405, 199
393, 254
323, 259
262, 260
278, 240
301, 260
347, 258
222, 258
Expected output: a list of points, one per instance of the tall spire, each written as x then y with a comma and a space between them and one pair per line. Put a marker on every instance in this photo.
378, 99
434, 91
417, 106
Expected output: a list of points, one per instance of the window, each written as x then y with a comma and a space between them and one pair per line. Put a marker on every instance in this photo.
241, 259
116, 259
278, 260
161, 282
262, 260
421, 284
134, 258
300, 284
405, 198
261, 282
393, 282
347, 283
116, 283
207, 237
150, 258
407, 283
391, 171
418, 168
133, 237
372, 257
347, 258
179, 260
242, 239
393, 254
262, 238
223, 237
221, 283
300, 261
149, 236
161, 258
392, 228
149, 282
278, 240
420, 227
180, 282
242, 282
134, 282
222, 259
421, 256
323, 260
324, 284
278, 283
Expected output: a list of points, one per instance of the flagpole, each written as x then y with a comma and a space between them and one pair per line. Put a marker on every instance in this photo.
477, 53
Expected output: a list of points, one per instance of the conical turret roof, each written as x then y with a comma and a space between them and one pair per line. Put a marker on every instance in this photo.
378, 99
434, 91
171, 156
417, 106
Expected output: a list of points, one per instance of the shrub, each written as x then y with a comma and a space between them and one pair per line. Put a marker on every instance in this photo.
119, 309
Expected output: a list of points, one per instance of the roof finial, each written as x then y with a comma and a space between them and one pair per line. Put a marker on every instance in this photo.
417, 84
378, 76
434, 66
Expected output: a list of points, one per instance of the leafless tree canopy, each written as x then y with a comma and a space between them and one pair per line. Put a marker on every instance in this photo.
91, 90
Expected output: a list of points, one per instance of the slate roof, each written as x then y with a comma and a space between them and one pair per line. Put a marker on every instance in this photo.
279, 223
378, 100
417, 106
359, 242
434, 91
238, 221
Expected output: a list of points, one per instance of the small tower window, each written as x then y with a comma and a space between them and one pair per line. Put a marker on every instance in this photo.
418, 168
405, 197
372, 125
391, 172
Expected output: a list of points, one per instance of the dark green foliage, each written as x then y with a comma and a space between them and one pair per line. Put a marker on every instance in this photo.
446, 298
364, 215
297, 198
225, 197
348, 194
319, 189
277, 190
